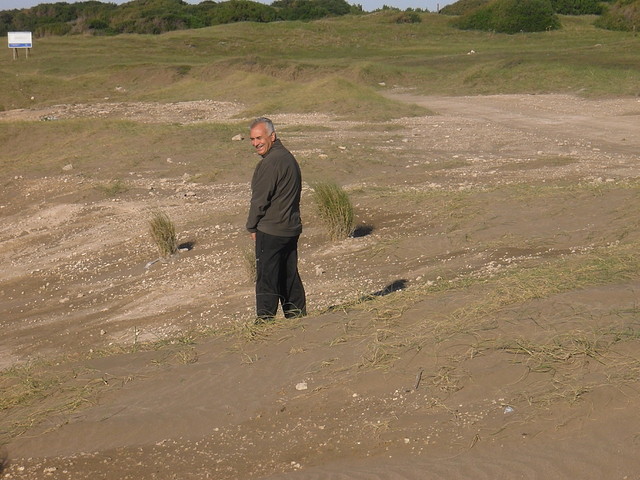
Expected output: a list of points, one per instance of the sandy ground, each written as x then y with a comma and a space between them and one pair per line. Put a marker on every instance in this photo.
344, 394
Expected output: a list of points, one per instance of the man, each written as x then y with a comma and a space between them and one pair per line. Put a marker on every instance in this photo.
275, 225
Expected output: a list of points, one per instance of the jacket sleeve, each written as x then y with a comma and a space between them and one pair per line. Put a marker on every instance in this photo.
263, 186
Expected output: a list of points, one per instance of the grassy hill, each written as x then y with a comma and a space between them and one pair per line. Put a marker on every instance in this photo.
296, 64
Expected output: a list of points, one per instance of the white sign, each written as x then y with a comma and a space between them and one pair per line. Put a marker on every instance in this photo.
19, 39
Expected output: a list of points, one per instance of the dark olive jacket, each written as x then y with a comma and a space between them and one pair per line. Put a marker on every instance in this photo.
275, 194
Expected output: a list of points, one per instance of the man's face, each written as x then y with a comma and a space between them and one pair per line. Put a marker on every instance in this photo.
261, 140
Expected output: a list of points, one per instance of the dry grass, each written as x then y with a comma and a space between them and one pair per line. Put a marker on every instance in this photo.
113, 188
163, 232
35, 392
42, 390
335, 209
248, 258
563, 356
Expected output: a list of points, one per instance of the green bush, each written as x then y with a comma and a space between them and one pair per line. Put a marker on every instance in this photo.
97, 24
511, 16
239, 11
577, 7
335, 209
310, 9
462, 7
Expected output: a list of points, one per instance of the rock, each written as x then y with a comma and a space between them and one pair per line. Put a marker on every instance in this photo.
301, 386
237, 137
67, 167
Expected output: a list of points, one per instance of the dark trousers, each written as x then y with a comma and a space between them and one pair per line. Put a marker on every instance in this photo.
277, 277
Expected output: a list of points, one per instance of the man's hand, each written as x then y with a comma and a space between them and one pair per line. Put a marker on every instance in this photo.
253, 235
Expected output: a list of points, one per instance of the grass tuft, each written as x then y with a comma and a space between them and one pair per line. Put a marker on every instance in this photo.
335, 209
248, 256
113, 188
163, 232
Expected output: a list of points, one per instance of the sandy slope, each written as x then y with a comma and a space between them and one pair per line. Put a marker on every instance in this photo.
305, 400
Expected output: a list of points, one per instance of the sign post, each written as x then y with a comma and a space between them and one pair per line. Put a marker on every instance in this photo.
20, 40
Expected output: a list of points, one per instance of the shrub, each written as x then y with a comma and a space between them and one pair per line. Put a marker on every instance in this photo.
408, 17
335, 209
97, 24
624, 15
45, 30
113, 188
577, 7
238, 11
163, 233
512, 16
310, 9
462, 7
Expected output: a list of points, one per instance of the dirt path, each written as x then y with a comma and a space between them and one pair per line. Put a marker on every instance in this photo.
612, 125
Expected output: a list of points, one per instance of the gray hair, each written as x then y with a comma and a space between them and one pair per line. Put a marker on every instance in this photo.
267, 123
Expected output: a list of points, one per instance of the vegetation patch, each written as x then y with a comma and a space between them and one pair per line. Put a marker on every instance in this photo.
163, 232
624, 15
335, 209
113, 188
511, 16
541, 162
159, 16
344, 64
344, 98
